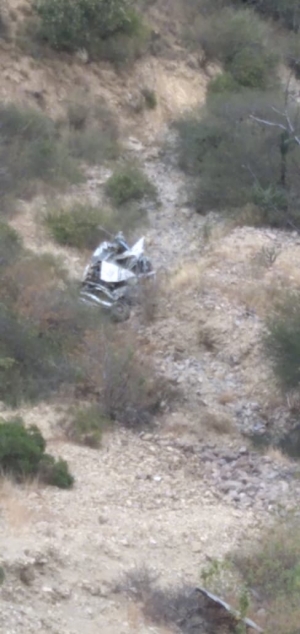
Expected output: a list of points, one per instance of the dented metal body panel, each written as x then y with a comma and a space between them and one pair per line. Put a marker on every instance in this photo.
114, 269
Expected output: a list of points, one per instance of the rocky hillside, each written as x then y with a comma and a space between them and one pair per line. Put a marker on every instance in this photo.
190, 488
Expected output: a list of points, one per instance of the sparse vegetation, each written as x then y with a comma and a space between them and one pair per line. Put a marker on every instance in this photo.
129, 183
22, 455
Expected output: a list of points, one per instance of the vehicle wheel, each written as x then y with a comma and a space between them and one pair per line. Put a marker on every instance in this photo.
120, 312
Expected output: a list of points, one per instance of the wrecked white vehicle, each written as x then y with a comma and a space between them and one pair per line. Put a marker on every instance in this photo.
114, 270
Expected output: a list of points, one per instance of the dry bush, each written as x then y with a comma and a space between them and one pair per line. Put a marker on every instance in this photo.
149, 292
217, 422
172, 606
127, 386
31, 365
209, 338
32, 150
28, 280
85, 425
10, 245
43, 325
92, 130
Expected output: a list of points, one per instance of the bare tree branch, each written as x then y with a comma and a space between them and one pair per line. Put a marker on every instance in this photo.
269, 123
289, 128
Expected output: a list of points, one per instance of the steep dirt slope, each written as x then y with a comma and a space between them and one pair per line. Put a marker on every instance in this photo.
173, 497
192, 488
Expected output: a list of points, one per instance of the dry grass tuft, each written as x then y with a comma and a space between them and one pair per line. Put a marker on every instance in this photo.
16, 513
217, 422
226, 397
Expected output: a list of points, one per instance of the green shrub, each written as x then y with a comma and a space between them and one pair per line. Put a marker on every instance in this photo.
87, 425
129, 183
223, 83
197, 136
236, 161
83, 226
150, 98
22, 455
78, 226
240, 40
282, 341
20, 448
55, 472
253, 69
70, 25
273, 203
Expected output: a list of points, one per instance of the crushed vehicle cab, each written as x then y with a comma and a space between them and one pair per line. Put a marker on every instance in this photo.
114, 270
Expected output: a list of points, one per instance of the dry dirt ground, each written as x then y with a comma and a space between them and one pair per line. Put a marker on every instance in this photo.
191, 489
